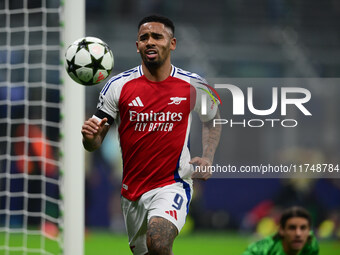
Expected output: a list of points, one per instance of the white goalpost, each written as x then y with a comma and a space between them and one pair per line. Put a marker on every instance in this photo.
74, 108
41, 114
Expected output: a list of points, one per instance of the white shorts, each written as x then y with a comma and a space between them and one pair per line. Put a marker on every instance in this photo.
170, 202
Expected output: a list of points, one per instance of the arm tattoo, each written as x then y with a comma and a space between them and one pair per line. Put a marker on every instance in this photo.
161, 234
210, 138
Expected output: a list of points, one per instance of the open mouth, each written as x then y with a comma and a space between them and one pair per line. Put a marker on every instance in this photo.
151, 54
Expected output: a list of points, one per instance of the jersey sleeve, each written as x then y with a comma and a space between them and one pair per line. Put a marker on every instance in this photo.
108, 101
206, 104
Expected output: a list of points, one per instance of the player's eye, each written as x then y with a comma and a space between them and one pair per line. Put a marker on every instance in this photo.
291, 227
143, 37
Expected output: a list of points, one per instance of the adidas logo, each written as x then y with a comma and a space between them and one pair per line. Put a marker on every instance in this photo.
172, 213
136, 102
100, 77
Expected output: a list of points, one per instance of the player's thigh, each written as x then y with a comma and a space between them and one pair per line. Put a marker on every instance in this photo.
160, 236
167, 212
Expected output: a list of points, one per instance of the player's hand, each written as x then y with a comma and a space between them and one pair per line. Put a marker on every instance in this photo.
203, 173
93, 128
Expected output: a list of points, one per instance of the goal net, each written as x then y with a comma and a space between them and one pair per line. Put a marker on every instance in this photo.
34, 103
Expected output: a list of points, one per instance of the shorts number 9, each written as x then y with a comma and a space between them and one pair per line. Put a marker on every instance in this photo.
178, 200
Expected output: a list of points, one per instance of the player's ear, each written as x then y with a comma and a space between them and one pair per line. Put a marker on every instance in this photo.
173, 43
137, 46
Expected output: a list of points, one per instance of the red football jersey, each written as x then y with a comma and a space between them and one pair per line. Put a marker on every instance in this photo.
153, 120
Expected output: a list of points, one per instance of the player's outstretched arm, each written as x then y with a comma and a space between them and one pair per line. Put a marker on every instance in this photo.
210, 139
94, 132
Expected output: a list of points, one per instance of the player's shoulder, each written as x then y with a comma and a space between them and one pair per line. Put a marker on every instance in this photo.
261, 247
119, 80
265, 243
311, 247
190, 77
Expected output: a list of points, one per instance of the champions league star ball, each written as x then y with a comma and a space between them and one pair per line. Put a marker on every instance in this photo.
89, 61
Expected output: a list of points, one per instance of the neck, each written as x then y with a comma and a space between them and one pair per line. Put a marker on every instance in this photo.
157, 74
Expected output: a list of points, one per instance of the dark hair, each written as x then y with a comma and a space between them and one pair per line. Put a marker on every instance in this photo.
292, 212
295, 211
160, 19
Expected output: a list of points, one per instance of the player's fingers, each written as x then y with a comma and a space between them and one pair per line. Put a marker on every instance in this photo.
87, 132
103, 122
90, 127
195, 160
200, 161
92, 123
206, 161
195, 174
201, 175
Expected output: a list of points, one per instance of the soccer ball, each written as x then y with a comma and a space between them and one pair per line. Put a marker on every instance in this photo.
89, 61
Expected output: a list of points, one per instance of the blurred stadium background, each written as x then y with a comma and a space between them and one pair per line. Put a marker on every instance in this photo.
225, 38
243, 39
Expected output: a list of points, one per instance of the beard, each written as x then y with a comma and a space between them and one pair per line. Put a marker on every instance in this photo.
152, 64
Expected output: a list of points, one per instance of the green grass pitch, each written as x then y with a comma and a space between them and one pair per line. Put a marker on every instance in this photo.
199, 243
106, 243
